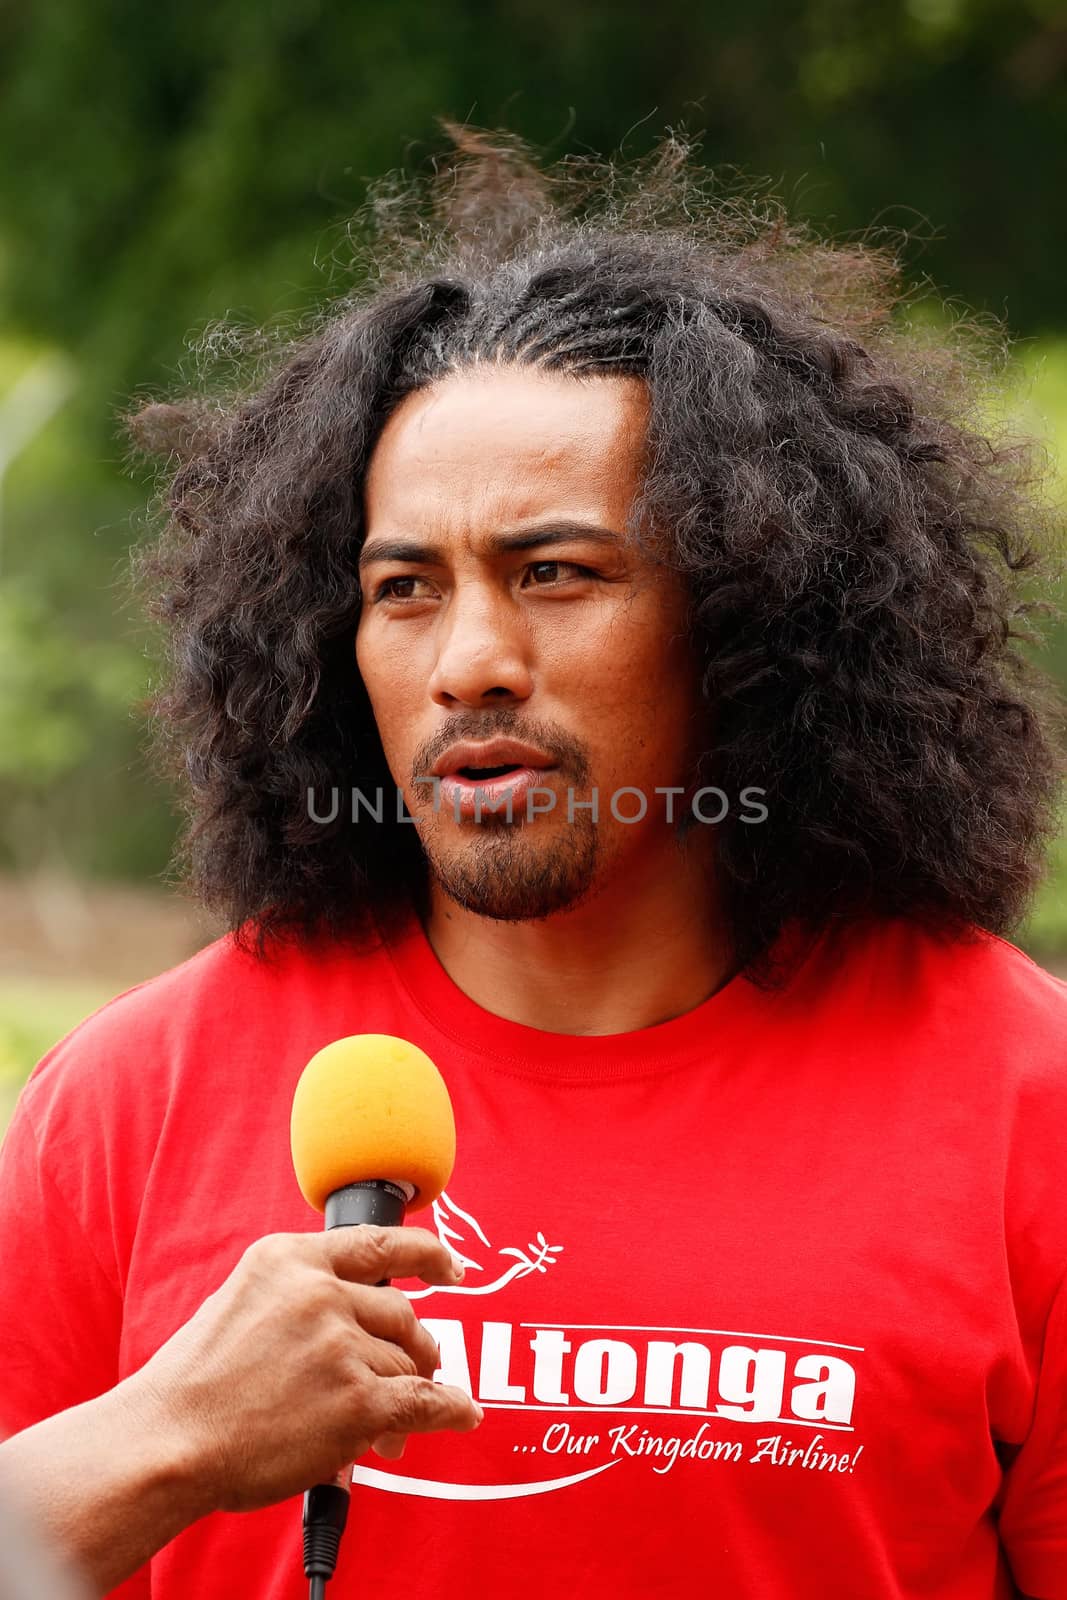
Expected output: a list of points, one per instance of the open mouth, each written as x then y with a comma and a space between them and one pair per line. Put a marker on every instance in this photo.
480, 773
467, 790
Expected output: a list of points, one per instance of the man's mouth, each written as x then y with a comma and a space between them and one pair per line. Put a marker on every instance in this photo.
486, 779
486, 793
479, 773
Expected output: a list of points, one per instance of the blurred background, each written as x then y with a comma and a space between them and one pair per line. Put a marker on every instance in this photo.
168, 167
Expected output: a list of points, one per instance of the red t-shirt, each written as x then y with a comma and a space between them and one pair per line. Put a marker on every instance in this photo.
765, 1301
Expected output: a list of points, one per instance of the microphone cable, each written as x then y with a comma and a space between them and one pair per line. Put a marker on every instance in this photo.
325, 1515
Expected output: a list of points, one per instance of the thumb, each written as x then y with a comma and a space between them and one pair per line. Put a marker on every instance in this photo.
390, 1446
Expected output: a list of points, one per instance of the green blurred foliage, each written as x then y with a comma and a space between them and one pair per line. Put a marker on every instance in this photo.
34, 1015
178, 161
171, 166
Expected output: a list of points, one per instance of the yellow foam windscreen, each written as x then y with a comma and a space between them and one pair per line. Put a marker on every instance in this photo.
372, 1106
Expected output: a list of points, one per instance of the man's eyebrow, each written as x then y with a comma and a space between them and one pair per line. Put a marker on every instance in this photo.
426, 555
549, 533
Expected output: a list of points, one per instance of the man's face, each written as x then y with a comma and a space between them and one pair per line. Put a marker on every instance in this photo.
502, 600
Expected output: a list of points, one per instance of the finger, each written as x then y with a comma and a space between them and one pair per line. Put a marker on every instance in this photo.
387, 1314
385, 1359
390, 1446
367, 1254
417, 1405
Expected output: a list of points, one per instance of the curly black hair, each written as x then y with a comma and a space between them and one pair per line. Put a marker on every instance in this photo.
853, 536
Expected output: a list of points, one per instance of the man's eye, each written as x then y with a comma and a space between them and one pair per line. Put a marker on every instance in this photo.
545, 573
396, 589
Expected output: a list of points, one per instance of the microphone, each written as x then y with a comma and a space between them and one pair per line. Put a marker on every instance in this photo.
372, 1136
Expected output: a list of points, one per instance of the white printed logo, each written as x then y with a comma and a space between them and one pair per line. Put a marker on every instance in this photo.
626, 1392
455, 1228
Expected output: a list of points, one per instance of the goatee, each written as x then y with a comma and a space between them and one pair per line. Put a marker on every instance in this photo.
506, 876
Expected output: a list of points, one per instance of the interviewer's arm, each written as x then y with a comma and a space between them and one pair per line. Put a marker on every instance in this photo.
103, 1485
287, 1373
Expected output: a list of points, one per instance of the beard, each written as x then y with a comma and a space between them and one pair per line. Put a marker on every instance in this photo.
504, 872
518, 871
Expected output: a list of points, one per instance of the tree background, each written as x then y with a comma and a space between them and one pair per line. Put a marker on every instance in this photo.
171, 166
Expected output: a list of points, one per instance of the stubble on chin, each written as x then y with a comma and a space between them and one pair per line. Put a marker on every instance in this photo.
501, 871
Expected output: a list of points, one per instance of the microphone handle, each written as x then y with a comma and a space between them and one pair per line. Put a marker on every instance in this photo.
376, 1200
380, 1202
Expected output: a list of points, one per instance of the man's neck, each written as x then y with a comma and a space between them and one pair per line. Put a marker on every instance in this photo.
645, 949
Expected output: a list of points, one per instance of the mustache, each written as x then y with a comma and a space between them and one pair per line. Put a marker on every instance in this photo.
566, 751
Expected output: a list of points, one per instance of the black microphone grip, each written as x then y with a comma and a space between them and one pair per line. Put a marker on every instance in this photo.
376, 1201
381, 1203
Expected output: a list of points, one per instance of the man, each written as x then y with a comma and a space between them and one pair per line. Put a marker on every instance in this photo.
592, 662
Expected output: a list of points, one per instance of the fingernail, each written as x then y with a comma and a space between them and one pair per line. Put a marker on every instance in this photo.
480, 1412
457, 1268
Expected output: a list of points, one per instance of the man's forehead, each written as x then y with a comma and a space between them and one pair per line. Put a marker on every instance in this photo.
524, 410
514, 445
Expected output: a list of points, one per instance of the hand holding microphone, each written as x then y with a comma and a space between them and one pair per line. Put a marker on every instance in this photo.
304, 1359
296, 1364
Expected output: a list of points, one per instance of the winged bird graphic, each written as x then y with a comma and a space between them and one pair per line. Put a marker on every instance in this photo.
466, 1238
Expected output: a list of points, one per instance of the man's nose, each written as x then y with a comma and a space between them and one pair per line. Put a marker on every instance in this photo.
483, 653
